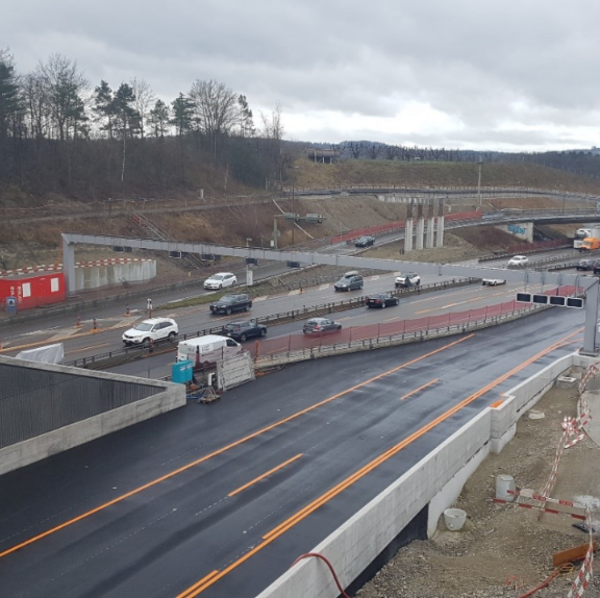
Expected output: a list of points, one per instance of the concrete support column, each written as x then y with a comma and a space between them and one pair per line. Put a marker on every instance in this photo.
429, 233
420, 233
591, 317
408, 235
68, 257
439, 241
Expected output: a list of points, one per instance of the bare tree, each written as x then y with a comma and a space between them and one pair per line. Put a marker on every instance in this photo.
144, 100
216, 111
63, 87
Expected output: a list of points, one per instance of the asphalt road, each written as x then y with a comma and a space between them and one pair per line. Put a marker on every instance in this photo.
164, 504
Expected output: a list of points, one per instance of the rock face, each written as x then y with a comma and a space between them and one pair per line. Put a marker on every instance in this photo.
505, 550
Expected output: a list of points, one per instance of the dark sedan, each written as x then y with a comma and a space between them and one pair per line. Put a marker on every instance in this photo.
240, 331
382, 300
320, 326
365, 241
230, 303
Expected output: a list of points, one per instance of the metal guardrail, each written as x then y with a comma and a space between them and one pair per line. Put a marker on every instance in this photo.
127, 354
266, 362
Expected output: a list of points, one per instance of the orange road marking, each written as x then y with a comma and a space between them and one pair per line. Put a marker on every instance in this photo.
203, 580
264, 475
497, 404
313, 506
225, 448
416, 390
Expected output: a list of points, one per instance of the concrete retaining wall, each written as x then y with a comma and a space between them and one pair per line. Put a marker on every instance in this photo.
170, 396
437, 480
93, 277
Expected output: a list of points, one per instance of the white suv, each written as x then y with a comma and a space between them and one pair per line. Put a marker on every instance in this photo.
153, 330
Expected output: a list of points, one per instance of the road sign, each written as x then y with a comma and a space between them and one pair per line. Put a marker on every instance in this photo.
557, 300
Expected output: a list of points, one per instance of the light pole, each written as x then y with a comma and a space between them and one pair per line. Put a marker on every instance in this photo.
479, 183
249, 273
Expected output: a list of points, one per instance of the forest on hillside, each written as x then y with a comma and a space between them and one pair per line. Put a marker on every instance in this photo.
60, 134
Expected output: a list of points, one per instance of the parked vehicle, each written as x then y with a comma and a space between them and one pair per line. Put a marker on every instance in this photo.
596, 267
585, 264
152, 330
590, 244
351, 281
220, 280
518, 261
320, 326
382, 300
230, 303
365, 241
410, 279
207, 349
243, 330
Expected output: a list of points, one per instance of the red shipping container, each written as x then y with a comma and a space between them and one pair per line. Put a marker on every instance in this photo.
33, 290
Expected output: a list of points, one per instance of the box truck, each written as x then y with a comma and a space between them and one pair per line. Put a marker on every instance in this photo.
207, 349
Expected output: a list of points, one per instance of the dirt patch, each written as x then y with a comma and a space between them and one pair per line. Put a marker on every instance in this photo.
505, 550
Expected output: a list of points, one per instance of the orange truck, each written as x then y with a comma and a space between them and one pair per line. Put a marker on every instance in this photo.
590, 244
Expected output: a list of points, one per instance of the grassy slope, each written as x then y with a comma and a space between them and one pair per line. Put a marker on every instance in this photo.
38, 242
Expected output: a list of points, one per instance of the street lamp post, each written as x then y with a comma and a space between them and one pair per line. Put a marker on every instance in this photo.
479, 183
249, 273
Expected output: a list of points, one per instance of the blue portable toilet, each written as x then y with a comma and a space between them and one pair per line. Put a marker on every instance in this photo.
182, 371
11, 305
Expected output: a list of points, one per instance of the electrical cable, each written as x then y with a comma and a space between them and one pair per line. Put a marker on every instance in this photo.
326, 561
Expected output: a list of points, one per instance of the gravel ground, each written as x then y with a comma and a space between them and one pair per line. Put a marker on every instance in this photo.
505, 551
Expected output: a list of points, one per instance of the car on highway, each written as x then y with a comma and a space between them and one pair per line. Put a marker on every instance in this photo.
382, 300
586, 264
244, 329
220, 280
365, 241
320, 326
351, 281
227, 304
409, 279
518, 261
151, 331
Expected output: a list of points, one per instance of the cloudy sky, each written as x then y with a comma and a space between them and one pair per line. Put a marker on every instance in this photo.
471, 74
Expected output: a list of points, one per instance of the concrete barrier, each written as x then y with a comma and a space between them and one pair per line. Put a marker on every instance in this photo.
433, 483
169, 396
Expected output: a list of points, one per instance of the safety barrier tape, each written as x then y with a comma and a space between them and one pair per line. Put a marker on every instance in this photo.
585, 574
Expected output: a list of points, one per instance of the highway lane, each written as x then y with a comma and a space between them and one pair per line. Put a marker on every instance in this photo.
162, 540
82, 342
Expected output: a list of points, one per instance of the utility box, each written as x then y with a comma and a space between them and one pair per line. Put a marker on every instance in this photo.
11, 305
182, 371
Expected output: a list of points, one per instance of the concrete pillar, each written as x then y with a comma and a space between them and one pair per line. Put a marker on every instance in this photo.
420, 233
591, 317
68, 257
439, 241
408, 235
429, 233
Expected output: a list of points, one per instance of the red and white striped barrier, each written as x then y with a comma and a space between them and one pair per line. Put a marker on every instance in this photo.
59, 267
586, 572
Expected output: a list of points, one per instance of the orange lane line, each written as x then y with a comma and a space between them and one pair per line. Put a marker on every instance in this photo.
199, 583
416, 390
289, 523
264, 475
224, 449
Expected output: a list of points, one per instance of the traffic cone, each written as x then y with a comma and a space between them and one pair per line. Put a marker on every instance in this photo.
127, 312
78, 322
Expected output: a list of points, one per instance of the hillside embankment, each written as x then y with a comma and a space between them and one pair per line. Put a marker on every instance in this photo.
30, 230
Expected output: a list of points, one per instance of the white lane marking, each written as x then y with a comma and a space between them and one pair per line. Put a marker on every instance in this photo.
262, 298
374, 277
324, 287
296, 292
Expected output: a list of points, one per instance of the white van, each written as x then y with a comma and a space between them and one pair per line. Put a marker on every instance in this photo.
209, 348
